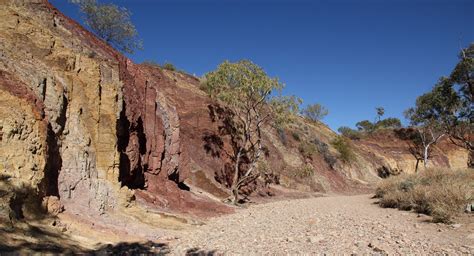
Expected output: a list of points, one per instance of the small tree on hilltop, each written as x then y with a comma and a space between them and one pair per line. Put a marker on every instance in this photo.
111, 23
365, 126
245, 89
349, 133
315, 112
380, 113
391, 123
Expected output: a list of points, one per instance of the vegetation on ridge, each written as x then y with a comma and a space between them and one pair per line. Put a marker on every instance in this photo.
315, 112
111, 23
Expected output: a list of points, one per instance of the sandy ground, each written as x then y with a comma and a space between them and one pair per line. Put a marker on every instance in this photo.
322, 225
326, 225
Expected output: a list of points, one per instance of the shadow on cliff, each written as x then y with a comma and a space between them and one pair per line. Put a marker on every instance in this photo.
19, 201
224, 144
53, 164
20, 204
131, 170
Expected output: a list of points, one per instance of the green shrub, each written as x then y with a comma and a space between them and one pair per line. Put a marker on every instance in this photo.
388, 123
349, 133
295, 135
169, 66
323, 149
151, 63
341, 144
307, 149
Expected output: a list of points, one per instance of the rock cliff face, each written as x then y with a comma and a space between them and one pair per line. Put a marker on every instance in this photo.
82, 123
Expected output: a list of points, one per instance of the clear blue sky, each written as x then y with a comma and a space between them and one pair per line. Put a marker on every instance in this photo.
348, 55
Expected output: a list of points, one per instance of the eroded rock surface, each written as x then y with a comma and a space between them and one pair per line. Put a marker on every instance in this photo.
82, 123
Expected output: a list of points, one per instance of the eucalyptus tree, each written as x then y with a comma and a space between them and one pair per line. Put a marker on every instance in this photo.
433, 110
245, 91
111, 23
461, 124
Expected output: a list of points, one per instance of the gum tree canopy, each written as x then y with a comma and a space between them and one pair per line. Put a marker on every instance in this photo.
431, 112
111, 23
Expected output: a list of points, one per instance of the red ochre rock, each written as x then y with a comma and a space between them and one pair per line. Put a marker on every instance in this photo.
82, 123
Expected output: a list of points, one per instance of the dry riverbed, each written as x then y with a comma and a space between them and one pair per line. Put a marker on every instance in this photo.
331, 225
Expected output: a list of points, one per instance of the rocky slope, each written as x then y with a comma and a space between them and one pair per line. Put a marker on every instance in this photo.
86, 131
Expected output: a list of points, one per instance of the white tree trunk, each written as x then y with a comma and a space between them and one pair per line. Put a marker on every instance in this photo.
425, 155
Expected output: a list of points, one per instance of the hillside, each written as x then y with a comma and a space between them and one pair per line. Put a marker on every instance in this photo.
88, 134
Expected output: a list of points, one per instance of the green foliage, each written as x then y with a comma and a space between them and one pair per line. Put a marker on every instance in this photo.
241, 85
365, 126
432, 114
343, 146
388, 123
463, 75
461, 125
284, 109
295, 135
307, 149
244, 90
323, 149
111, 23
169, 66
315, 112
438, 105
349, 133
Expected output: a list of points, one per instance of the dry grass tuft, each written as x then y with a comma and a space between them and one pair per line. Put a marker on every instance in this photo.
443, 194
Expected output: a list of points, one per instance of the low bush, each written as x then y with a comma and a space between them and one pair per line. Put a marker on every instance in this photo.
323, 149
295, 135
169, 66
151, 63
282, 136
307, 149
341, 144
349, 133
443, 194
305, 171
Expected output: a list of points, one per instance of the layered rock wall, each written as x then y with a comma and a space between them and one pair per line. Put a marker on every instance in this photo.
78, 90
81, 122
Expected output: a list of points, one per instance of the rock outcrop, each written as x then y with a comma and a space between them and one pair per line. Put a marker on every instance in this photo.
82, 123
